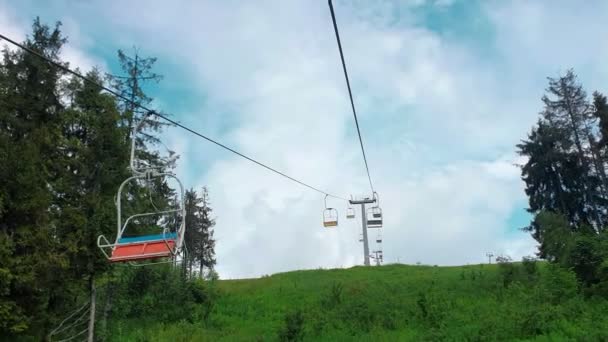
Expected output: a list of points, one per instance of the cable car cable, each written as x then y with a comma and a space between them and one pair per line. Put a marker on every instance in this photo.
115, 93
350, 93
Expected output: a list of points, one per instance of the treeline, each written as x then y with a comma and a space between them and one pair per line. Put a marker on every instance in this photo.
566, 181
64, 151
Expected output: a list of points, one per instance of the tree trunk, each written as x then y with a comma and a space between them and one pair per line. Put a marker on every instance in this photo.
91, 337
107, 307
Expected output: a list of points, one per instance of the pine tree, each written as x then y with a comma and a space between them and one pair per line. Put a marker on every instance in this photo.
599, 144
64, 150
30, 107
206, 248
199, 232
94, 158
565, 177
137, 71
600, 111
568, 109
152, 195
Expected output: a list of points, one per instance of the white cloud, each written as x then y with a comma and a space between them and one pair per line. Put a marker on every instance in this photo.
78, 43
440, 120
550, 37
17, 27
10, 26
278, 65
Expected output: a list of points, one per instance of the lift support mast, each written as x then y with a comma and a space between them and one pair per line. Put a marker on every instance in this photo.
363, 202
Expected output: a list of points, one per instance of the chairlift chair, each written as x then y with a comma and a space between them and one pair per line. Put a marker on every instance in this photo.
330, 216
167, 243
374, 214
350, 213
374, 217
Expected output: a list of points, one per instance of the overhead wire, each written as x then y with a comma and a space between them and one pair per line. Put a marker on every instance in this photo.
350, 93
164, 117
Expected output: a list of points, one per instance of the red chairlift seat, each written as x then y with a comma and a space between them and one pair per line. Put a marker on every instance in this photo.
144, 247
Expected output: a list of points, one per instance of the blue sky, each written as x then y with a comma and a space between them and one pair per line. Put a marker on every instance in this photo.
444, 89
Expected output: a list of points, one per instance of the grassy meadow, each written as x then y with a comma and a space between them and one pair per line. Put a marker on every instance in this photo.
513, 301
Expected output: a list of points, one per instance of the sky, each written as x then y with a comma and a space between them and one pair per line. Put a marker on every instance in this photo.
444, 91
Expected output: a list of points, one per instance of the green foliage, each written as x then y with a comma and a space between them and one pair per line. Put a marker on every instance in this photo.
64, 150
557, 284
199, 234
566, 181
157, 293
507, 270
601, 287
334, 296
34, 260
530, 267
392, 303
205, 295
586, 257
293, 329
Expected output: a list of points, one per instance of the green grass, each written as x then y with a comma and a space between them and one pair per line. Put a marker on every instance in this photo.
390, 303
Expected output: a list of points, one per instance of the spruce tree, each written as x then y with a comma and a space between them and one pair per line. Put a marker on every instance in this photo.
199, 232
32, 263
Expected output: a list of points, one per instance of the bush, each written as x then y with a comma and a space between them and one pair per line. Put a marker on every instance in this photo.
334, 296
205, 296
161, 293
293, 328
557, 284
530, 268
433, 308
506, 270
585, 258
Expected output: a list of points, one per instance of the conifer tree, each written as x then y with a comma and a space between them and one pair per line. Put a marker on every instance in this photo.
32, 263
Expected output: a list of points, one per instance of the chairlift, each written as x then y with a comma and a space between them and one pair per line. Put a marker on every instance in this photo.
374, 214
350, 212
330, 216
379, 236
166, 242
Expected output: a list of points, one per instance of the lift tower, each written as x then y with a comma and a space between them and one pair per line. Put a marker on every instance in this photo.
363, 202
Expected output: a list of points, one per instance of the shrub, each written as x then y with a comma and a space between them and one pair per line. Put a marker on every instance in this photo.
433, 308
161, 293
293, 328
506, 270
557, 284
334, 297
205, 295
585, 258
530, 268
601, 288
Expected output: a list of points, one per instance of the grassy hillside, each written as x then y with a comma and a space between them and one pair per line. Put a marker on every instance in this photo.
395, 302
